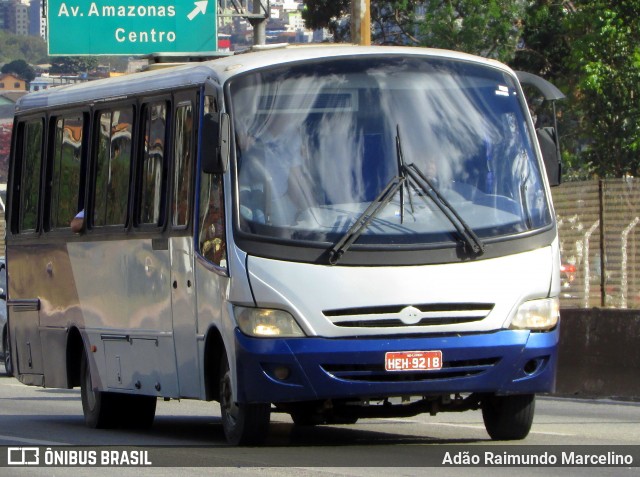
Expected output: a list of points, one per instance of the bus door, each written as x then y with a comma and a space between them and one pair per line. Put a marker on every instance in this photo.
212, 277
183, 295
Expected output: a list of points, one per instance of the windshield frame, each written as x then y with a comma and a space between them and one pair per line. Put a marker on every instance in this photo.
284, 248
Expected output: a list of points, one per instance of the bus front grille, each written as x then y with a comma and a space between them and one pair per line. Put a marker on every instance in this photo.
397, 316
377, 373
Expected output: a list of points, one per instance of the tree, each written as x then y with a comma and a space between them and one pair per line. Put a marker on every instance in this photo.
392, 22
589, 48
487, 27
545, 43
318, 14
20, 68
544, 48
605, 57
72, 65
490, 28
17, 47
396, 22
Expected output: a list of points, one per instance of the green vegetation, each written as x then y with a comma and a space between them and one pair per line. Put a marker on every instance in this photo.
589, 48
72, 65
19, 53
20, 68
31, 49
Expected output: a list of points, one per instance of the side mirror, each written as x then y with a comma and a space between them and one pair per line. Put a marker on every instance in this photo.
215, 143
548, 141
547, 136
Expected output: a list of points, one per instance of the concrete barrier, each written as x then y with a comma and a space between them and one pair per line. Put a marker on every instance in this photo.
599, 354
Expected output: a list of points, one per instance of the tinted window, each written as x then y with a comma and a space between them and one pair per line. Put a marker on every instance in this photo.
212, 237
152, 174
318, 143
65, 180
31, 163
113, 164
183, 153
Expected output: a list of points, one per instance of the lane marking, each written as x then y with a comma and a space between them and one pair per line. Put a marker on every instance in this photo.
466, 426
32, 441
469, 426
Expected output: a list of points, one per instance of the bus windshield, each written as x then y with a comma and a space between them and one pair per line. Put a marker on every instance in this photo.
317, 143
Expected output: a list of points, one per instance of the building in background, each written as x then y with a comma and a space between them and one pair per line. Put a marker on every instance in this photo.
11, 82
17, 17
284, 24
23, 17
37, 21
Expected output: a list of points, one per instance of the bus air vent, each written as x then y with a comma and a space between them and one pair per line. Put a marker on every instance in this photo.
377, 373
409, 315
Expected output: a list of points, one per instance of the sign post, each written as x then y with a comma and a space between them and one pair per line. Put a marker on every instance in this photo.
131, 27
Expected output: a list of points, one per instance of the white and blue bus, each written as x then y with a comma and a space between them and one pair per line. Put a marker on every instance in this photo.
330, 232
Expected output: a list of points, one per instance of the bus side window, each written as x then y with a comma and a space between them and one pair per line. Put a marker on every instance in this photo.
183, 158
152, 174
211, 236
30, 163
66, 171
113, 166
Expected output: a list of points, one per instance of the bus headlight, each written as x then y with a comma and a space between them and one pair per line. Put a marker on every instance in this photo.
537, 315
265, 323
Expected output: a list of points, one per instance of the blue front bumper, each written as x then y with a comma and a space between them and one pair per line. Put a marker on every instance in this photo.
502, 362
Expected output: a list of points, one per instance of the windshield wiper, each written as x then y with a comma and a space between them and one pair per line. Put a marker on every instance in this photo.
364, 219
472, 242
410, 174
401, 173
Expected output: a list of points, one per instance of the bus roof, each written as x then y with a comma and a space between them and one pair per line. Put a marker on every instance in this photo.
219, 70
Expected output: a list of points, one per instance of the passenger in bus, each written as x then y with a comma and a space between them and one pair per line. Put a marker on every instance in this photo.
77, 222
212, 236
278, 159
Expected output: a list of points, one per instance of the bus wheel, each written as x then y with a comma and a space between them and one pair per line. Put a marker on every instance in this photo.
6, 346
100, 408
306, 419
137, 412
243, 424
508, 418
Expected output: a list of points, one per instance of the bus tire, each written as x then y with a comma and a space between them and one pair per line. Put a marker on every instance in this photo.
306, 419
100, 408
243, 424
508, 418
6, 347
137, 411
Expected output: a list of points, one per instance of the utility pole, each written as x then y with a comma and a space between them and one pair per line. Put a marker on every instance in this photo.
259, 24
361, 22
257, 15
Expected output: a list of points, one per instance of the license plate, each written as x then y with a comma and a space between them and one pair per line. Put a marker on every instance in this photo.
413, 360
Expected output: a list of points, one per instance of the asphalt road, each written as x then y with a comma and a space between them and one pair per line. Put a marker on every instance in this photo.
32, 416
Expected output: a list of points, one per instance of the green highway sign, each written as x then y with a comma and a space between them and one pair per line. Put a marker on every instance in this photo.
131, 27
